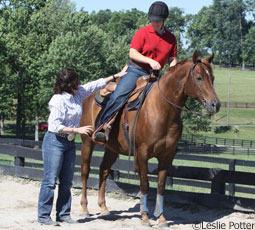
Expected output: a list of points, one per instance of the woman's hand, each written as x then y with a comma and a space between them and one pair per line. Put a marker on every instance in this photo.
87, 130
122, 72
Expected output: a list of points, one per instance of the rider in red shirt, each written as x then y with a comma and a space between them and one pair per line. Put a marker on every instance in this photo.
158, 46
151, 47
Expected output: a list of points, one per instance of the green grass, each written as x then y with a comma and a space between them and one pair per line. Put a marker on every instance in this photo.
6, 159
241, 85
237, 132
241, 90
236, 116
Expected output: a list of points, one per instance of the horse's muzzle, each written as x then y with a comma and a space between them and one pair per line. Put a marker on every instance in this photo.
213, 107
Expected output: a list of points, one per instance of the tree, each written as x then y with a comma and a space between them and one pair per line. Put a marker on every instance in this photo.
13, 30
199, 30
221, 28
249, 47
193, 123
176, 24
84, 51
6, 98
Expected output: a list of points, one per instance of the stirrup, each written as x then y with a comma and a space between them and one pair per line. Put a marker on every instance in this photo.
100, 137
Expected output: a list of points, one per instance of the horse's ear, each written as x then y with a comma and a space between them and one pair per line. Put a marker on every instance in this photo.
195, 56
210, 59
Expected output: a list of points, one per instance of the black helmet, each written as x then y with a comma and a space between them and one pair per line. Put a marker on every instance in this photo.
158, 11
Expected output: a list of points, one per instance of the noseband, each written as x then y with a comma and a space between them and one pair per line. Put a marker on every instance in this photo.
192, 68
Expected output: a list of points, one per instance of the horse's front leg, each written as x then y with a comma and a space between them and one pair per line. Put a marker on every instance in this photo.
163, 166
86, 152
107, 162
142, 166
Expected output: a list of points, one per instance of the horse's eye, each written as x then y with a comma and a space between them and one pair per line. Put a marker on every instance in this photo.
199, 78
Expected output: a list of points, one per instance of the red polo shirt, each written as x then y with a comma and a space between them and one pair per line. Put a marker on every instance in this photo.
158, 47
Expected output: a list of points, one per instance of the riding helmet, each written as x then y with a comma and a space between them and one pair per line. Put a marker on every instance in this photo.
158, 11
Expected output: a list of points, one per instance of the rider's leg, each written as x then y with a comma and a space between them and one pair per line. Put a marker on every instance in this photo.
125, 86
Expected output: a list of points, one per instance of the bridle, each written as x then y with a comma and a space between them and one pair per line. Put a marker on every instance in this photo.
185, 108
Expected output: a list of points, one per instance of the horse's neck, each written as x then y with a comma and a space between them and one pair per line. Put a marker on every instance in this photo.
172, 85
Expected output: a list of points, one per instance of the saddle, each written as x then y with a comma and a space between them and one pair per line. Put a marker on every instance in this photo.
102, 97
111, 86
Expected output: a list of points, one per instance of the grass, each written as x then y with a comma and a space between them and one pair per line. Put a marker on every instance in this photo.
241, 85
236, 132
241, 90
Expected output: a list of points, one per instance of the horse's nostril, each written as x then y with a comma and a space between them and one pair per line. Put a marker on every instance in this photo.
216, 105
213, 103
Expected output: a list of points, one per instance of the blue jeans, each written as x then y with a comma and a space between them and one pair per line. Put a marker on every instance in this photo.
124, 88
59, 161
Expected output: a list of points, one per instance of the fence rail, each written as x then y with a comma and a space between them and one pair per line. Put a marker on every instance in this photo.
28, 163
217, 141
238, 105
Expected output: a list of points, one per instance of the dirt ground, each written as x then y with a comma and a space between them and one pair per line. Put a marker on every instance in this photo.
18, 211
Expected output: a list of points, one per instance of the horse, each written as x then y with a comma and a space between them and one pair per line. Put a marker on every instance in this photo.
159, 128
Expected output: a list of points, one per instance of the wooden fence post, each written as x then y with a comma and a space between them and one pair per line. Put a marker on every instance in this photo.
231, 187
218, 187
114, 175
19, 161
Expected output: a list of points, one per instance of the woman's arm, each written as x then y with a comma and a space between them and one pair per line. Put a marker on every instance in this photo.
87, 130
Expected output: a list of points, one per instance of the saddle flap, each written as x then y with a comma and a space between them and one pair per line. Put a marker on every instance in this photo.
140, 85
109, 88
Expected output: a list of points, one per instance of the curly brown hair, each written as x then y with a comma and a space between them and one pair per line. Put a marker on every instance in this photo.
66, 81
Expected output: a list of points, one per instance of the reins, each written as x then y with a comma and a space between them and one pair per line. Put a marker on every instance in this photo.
133, 130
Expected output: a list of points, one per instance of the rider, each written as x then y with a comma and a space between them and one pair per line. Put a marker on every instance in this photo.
151, 47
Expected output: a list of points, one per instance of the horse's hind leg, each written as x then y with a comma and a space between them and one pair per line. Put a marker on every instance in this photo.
86, 152
107, 162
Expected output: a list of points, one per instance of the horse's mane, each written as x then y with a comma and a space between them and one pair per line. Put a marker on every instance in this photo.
183, 61
180, 63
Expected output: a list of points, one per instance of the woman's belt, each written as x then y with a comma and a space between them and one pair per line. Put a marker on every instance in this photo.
69, 137
60, 134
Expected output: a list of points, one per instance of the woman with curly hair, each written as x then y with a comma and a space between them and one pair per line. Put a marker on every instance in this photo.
58, 148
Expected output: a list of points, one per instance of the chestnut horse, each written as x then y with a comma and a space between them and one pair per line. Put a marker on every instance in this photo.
159, 128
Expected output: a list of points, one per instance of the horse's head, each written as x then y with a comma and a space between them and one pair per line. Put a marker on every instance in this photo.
199, 84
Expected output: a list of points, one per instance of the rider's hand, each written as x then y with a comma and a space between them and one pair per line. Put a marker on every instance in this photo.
154, 65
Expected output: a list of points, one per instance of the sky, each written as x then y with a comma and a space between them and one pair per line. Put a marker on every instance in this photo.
188, 6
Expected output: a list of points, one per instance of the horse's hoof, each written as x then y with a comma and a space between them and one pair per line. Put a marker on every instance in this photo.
85, 214
146, 224
162, 223
145, 220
